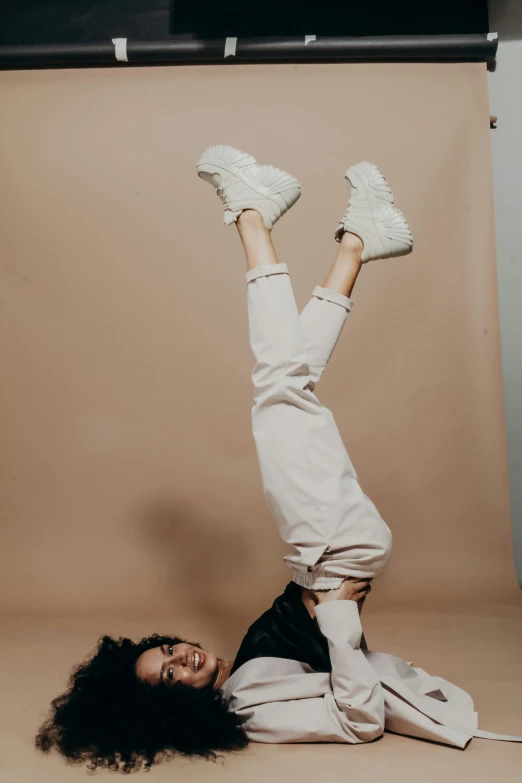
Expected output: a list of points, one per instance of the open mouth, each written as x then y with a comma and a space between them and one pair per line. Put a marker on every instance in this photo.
198, 659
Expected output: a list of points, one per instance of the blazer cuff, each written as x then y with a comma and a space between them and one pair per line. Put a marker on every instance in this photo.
339, 621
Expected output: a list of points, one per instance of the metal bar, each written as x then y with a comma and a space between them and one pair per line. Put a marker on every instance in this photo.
185, 50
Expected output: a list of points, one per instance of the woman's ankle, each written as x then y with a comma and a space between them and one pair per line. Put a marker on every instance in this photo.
250, 217
352, 245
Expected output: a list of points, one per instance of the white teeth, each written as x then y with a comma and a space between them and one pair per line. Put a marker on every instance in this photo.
196, 661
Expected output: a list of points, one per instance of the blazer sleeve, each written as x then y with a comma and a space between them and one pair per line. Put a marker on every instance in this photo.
352, 713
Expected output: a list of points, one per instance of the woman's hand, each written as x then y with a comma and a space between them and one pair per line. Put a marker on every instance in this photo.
352, 589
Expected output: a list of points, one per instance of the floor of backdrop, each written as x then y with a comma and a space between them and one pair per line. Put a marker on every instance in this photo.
131, 496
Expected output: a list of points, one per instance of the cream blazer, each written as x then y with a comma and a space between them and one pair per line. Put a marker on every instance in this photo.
287, 701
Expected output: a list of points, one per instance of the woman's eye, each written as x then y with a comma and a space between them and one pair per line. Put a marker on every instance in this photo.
170, 674
171, 650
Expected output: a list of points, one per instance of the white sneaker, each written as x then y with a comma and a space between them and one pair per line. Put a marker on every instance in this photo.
242, 183
371, 215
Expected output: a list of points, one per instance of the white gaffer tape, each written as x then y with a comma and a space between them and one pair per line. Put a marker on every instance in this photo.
309, 38
492, 36
120, 49
230, 47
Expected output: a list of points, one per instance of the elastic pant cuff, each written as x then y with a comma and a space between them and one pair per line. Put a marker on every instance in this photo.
332, 296
264, 270
313, 581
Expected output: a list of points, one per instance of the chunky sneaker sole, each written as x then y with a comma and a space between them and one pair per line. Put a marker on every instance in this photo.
242, 183
372, 217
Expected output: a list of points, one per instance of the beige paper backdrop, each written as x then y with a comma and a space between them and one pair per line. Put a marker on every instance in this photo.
131, 500
129, 472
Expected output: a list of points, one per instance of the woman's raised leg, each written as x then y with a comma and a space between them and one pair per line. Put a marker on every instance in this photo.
324, 316
334, 530
309, 481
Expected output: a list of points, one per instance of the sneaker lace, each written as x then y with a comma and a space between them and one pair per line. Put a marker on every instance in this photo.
224, 198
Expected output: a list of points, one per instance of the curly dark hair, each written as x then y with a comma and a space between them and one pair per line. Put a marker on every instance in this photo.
110, 719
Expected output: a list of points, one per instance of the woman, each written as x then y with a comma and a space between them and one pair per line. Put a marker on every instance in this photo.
303, 672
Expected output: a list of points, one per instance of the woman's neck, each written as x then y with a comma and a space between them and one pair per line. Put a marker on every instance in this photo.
223, 673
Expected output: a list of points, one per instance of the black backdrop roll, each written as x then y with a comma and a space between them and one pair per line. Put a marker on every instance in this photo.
80, 21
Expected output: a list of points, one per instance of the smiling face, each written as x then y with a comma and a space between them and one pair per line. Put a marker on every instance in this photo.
173, 663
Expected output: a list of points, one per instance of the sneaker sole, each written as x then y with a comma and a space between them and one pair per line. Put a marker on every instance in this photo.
209, 166
359, 178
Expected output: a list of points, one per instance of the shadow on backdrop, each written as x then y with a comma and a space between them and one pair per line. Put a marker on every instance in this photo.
202, 564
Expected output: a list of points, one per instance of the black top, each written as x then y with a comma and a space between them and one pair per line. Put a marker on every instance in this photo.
286, 630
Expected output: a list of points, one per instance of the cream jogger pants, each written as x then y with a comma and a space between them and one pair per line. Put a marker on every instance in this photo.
333, 529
